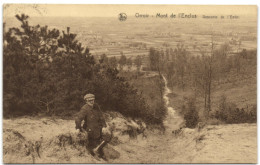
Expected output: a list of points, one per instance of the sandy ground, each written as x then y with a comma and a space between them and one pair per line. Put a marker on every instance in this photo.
236, 143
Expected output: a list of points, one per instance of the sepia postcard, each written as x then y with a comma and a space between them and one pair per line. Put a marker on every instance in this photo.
129, 84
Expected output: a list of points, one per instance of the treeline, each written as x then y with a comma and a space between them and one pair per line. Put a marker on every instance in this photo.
202, 73
48, 71
122, 62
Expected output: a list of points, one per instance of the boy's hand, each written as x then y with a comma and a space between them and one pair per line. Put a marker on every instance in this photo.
105, 130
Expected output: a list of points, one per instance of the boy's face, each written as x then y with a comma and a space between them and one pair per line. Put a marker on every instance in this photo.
90, 102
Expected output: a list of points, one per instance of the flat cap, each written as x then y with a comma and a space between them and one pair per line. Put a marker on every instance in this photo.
89, 96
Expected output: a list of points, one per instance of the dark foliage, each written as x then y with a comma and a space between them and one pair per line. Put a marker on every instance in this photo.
191, 116
229, 113
49, 72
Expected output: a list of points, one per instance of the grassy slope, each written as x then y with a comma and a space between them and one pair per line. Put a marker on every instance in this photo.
241, 90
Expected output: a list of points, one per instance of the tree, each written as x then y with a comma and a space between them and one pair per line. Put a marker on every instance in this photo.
155, 60
222, 65
129, 63
138, 62
167, 54
34, 48
208, 75
112, 62
209, 78
181, 63
38, 62
103, 59
156, 64
190, 113
122, 61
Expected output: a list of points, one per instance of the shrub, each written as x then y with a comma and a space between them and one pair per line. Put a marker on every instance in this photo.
229, 112
151, 89
190, 113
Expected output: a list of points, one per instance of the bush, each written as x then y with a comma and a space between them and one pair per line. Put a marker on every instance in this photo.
115, 93
228, 112
190, 113
151, 89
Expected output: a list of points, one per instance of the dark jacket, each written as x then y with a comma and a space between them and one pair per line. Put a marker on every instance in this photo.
93, 120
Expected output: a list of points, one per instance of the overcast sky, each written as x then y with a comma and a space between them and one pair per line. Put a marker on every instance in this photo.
114, 10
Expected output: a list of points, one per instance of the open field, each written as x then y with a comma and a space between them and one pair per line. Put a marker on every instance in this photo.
135, 37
